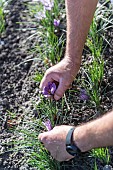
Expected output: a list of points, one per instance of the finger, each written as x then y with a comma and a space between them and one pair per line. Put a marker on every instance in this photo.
40, 136
55, 152
49, 77
43, 137
68, 159
60, 90
45, 80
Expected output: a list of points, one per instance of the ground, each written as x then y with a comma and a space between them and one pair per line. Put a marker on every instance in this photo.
18, 89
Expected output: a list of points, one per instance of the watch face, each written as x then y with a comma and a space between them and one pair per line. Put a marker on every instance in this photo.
71, 150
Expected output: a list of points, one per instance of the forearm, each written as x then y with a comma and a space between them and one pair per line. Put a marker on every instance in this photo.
79, 17
95, 134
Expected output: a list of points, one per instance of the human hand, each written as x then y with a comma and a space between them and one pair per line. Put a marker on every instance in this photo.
64, 73
54, 142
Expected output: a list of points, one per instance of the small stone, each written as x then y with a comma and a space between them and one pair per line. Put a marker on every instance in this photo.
1, 108
10, 23
24, 167
5, 163
107, 167
2, 42
1, 160
5, 101
27, 65
35, 113
1, 47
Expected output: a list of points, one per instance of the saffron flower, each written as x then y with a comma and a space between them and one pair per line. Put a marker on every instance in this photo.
40, 15
112, 2
47, 124
56, 23
49, 90
48, 4
83, 95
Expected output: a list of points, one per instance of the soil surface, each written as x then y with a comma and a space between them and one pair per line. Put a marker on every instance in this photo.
18, 89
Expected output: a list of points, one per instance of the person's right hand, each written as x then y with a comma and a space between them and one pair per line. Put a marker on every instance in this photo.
54, 141
64, 73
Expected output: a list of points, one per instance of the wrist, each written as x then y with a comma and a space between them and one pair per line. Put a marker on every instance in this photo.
73, 62
71, 147
82, 138
73, 58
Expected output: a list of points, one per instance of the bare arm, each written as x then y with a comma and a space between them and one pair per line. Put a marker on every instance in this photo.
95, 134
79, 17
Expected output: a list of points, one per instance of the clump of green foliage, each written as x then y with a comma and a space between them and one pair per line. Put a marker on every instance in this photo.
52, 37
96, 37
101, 154
2, 21
50, 49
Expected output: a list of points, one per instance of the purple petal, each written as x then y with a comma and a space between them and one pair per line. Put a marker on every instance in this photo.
83, 91
47, 124
48, 4
83, 94
84, 97
56, 22
49, 85
53, 89
45, 91
40, 15
49, 90
47, 95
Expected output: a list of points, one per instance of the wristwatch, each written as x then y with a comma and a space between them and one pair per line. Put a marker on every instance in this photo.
71, 147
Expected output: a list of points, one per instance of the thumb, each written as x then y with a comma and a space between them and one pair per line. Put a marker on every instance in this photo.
45, 81
60, 90
43, 136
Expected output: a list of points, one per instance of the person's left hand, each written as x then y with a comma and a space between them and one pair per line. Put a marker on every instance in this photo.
54, 142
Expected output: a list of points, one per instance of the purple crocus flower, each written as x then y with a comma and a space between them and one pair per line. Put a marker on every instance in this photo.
49, 90
47, 124
48, 4
56, 22
83, 95
40, 15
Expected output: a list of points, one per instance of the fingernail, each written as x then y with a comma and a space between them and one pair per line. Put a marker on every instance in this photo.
56, 97
39, 136
40, 86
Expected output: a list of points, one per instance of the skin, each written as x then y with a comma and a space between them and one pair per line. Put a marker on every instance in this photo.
94, 134
90, 135
79, 17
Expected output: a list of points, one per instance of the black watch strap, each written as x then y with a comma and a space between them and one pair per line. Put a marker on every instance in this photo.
69, 136
71, 147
